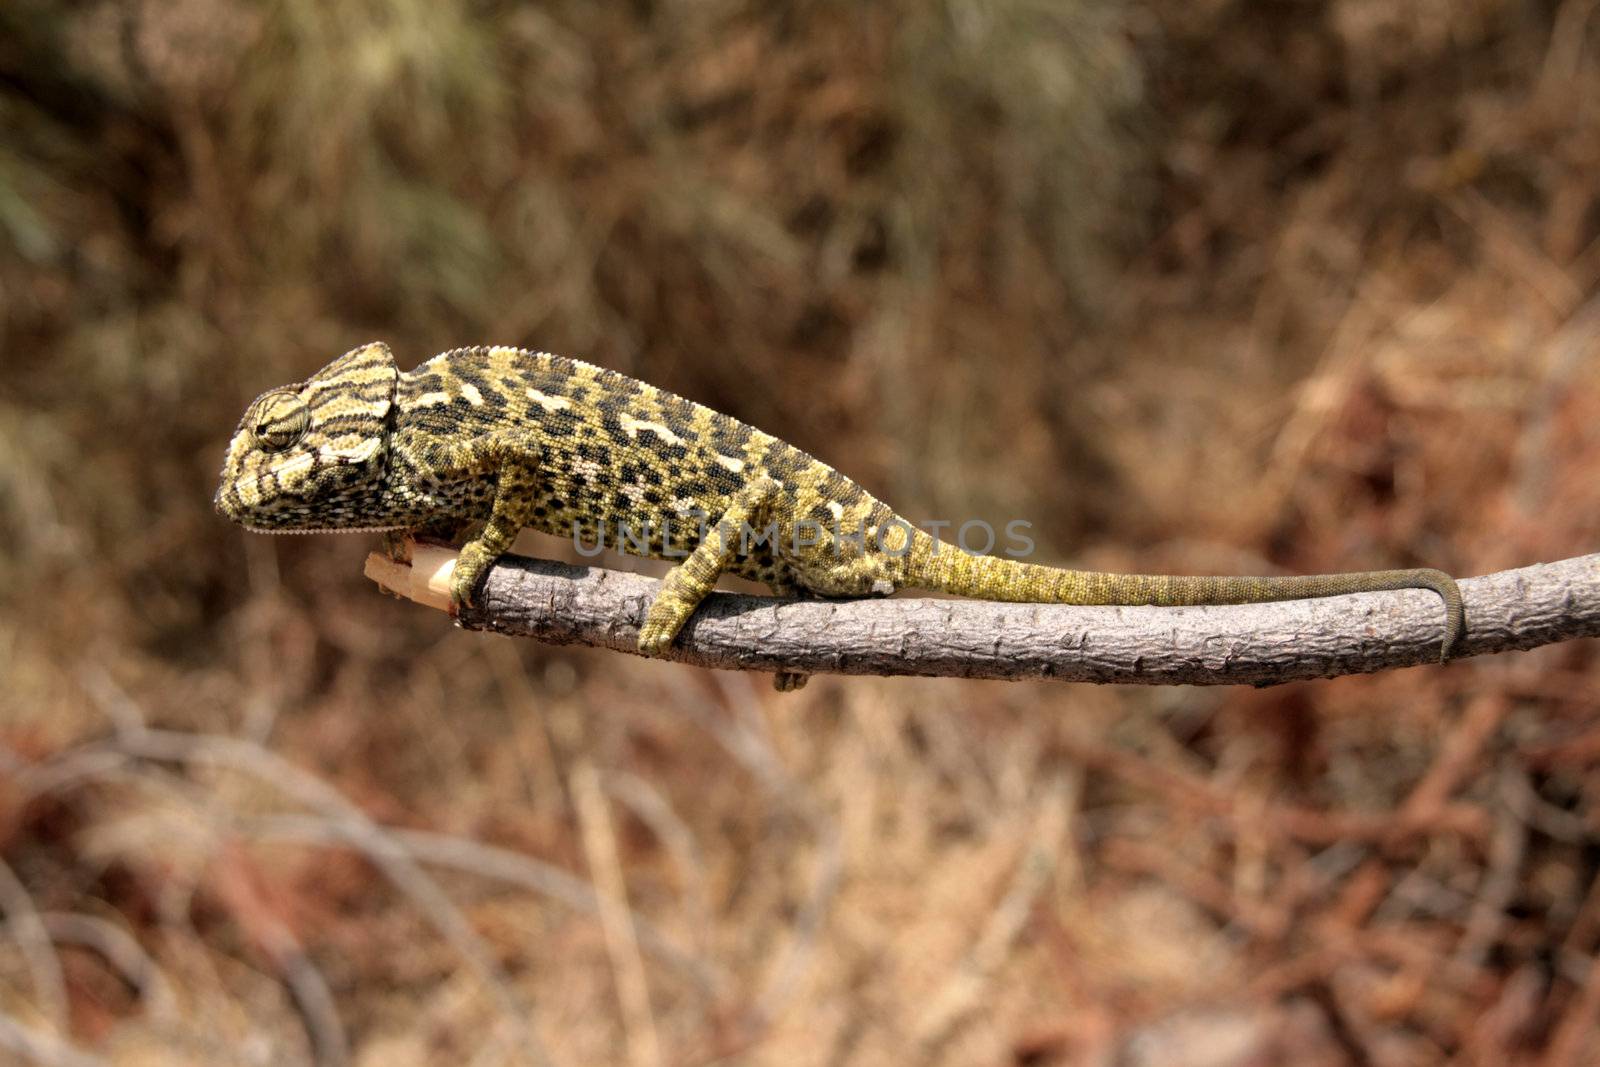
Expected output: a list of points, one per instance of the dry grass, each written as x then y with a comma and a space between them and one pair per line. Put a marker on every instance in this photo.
1211, 287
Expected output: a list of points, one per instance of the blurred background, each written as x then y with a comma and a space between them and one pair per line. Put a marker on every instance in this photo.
1217, 286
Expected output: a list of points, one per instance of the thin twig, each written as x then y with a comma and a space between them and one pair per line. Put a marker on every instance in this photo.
784, 975
1309, 825
44, 966
653, 808
121, 950
1579, 1027
962, 992
35, 1047
135, 739
273, 937
1501, 880
365, 834
1254, 644
1456, 757
490, 861
745, 738
600, 847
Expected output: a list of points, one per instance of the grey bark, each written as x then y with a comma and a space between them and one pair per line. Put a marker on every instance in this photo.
1249, 644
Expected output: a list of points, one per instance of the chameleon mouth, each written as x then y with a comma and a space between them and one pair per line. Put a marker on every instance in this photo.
231, 508
319, 529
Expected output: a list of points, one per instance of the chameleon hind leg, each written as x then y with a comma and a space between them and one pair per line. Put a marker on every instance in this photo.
765, 567
688, 583
842, 567
513, 458
787, 681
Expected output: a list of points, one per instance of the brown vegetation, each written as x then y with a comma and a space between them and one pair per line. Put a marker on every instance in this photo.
1198, 286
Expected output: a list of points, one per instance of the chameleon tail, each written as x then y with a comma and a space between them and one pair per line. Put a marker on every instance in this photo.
945, 568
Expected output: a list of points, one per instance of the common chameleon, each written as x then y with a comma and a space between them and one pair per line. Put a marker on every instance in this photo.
511, 438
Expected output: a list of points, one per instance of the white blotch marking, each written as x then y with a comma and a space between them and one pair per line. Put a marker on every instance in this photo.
732, 463
354, 454
883, 587
836, 508
429, 400
632, 426
474, 397
548, 402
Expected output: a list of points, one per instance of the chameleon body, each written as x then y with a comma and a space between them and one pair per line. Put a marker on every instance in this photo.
511, 438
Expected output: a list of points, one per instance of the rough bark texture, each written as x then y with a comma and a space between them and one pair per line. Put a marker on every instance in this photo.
1251, 644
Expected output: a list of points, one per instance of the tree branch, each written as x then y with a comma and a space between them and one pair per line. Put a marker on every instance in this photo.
1247, 644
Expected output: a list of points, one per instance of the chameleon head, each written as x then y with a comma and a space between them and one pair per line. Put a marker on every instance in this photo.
312, 456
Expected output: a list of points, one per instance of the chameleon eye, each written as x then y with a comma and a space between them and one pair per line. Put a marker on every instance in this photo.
278, 421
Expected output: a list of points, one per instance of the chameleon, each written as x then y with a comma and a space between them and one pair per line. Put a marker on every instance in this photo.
495, 439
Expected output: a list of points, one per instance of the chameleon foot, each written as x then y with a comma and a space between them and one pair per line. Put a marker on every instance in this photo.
397, 545
789, 681
661, 625
471, 566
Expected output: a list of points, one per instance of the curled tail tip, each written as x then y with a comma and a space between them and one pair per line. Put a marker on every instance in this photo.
1455, 625
1455, 619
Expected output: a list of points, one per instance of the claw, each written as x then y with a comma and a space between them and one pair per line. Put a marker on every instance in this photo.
789, 681
397, 545
466, 578
653, 642
661, 626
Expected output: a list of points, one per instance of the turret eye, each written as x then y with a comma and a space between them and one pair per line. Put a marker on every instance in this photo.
278, 421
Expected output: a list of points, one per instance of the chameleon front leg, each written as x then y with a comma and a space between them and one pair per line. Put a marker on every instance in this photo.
479, 554
513, 457
446, 531
688, 583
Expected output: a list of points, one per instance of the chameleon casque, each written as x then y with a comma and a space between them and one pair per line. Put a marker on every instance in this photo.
511, 438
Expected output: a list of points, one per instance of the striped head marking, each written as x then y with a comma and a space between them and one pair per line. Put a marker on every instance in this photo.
312, 456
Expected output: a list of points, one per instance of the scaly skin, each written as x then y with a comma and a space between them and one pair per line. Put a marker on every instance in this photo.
510, 439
